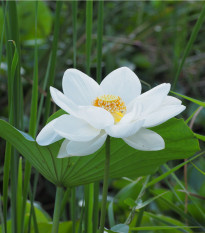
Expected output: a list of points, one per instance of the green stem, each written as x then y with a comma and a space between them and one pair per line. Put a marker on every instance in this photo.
96, 207
57, 208
105, 185
73, 208
81, 217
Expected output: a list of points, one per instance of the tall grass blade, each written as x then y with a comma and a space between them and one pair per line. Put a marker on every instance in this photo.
190, 99
182, 186
13, 192
170, 186
7, 159
74, 19
203, 173
32, 215
99, 77
9, 156
14, 158
142, 205
19, 198
32, 211
2, 39
34, 100
160, 219
179, 211
163, 176
50, 72
189, 45
73, 190
2, 218
33, 119
7, 162
89, 18
192, 115
15, 95
100, 39
111, 216
89, 189
140, 217
132, 213
17, 91
40, 107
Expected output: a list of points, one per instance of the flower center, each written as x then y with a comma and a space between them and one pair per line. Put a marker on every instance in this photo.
112, 104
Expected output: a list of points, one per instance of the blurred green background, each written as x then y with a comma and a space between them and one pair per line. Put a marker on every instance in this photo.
149, 37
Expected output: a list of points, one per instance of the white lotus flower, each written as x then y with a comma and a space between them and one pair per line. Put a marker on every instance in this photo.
115, 108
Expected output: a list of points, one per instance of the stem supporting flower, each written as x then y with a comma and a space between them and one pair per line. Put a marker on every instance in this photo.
56, 215
105, 185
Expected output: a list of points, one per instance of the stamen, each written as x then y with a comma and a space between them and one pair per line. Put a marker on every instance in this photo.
112, 104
